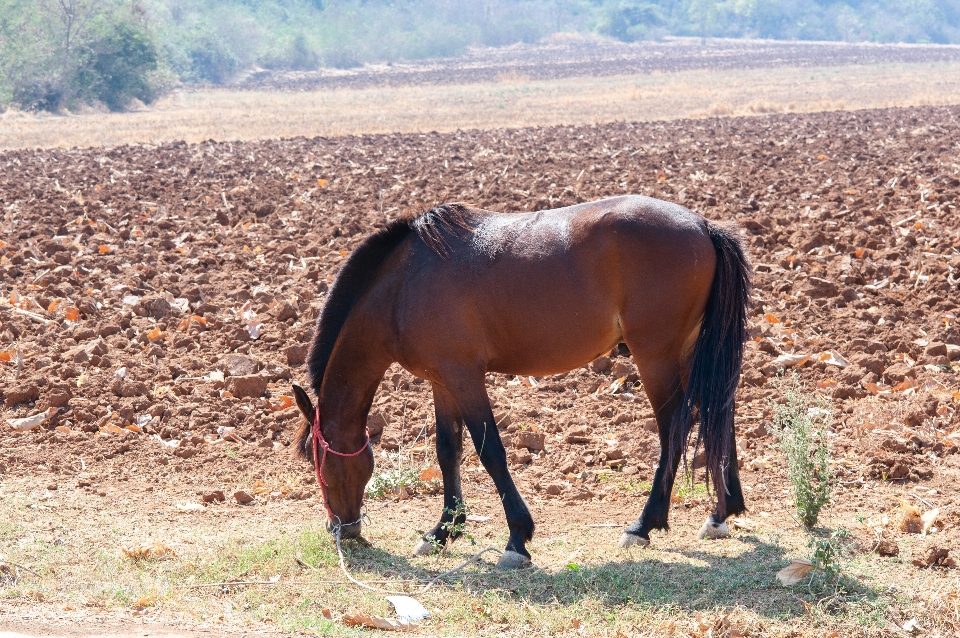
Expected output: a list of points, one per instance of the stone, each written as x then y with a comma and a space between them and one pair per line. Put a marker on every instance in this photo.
250, 386
887, 547
651, 425
870, 363
153, 306
631, 470
376, 423
601, 364
286, 311
108, 329
389, 443
97, 348
529, 440
128, 389
242, 497
623, 368
296, 353
577, 435
57, 395
898, 372
240, 365
817, 287
935, 349
753, 377
953, 351
77, 355
87, 306
23, 393
756, 432
214, 496
554, 489
519, 458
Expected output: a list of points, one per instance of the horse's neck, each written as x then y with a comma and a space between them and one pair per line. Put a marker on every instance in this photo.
350, 382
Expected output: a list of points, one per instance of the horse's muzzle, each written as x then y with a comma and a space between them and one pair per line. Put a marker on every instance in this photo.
346, 531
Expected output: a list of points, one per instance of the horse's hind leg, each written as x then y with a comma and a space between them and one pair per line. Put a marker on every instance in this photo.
715, 526
661, 380
468, 391
449, 454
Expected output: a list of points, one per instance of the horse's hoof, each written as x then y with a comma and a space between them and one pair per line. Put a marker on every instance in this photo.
513, 560
425, 548
629, 540
711, 529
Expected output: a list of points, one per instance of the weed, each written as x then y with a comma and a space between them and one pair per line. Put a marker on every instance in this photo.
827, 552
685, 489
800, 426
404, 476
394, 481
458, 529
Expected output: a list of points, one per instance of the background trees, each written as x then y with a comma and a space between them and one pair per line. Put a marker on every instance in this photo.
57, 54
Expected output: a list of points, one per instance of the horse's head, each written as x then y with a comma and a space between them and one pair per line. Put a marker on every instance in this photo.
342, 473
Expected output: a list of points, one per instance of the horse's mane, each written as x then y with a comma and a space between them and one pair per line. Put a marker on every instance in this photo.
433, 227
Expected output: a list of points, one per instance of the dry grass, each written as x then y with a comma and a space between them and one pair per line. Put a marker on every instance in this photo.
512, 102
73, 539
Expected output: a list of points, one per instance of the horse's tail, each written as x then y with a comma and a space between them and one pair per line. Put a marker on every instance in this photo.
714, 365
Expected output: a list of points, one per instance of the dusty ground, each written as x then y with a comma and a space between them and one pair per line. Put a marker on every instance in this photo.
161, 299
566, 83
569, 56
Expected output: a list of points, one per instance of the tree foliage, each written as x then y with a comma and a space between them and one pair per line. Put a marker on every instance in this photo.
56, 54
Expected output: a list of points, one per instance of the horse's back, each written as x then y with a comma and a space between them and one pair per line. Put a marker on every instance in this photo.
543, 292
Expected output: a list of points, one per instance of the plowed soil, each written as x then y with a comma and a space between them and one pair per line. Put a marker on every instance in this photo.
593, 58
162, 298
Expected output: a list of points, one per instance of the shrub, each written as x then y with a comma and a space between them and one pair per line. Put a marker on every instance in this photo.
210, 60
118, 68
297, 56
800, 426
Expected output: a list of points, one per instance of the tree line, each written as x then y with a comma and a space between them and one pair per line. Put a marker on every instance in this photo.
60, 54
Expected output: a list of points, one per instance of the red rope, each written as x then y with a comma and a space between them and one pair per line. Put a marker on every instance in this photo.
318, 459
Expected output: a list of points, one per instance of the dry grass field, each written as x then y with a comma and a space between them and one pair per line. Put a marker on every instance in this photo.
514, 101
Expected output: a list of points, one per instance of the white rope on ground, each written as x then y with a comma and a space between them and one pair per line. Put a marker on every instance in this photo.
431, 583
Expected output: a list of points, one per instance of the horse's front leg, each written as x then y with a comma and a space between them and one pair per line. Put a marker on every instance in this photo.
468, 391
449, 454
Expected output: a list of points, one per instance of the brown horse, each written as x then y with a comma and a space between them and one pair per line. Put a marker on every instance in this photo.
458, 292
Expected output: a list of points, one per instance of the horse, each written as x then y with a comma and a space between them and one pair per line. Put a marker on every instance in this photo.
456, 292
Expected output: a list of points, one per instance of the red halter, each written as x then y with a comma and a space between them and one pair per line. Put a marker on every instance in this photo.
318, 459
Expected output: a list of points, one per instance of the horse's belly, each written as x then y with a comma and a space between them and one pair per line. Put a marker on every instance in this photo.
538, 340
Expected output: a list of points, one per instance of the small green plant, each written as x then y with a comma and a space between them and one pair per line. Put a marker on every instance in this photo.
827, 553
800, 426
394, 481
458, 529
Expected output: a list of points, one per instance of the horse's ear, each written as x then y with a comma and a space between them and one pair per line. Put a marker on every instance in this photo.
304, 402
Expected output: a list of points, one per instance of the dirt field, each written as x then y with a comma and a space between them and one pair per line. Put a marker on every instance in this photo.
571, 56
161, 299
524, 87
